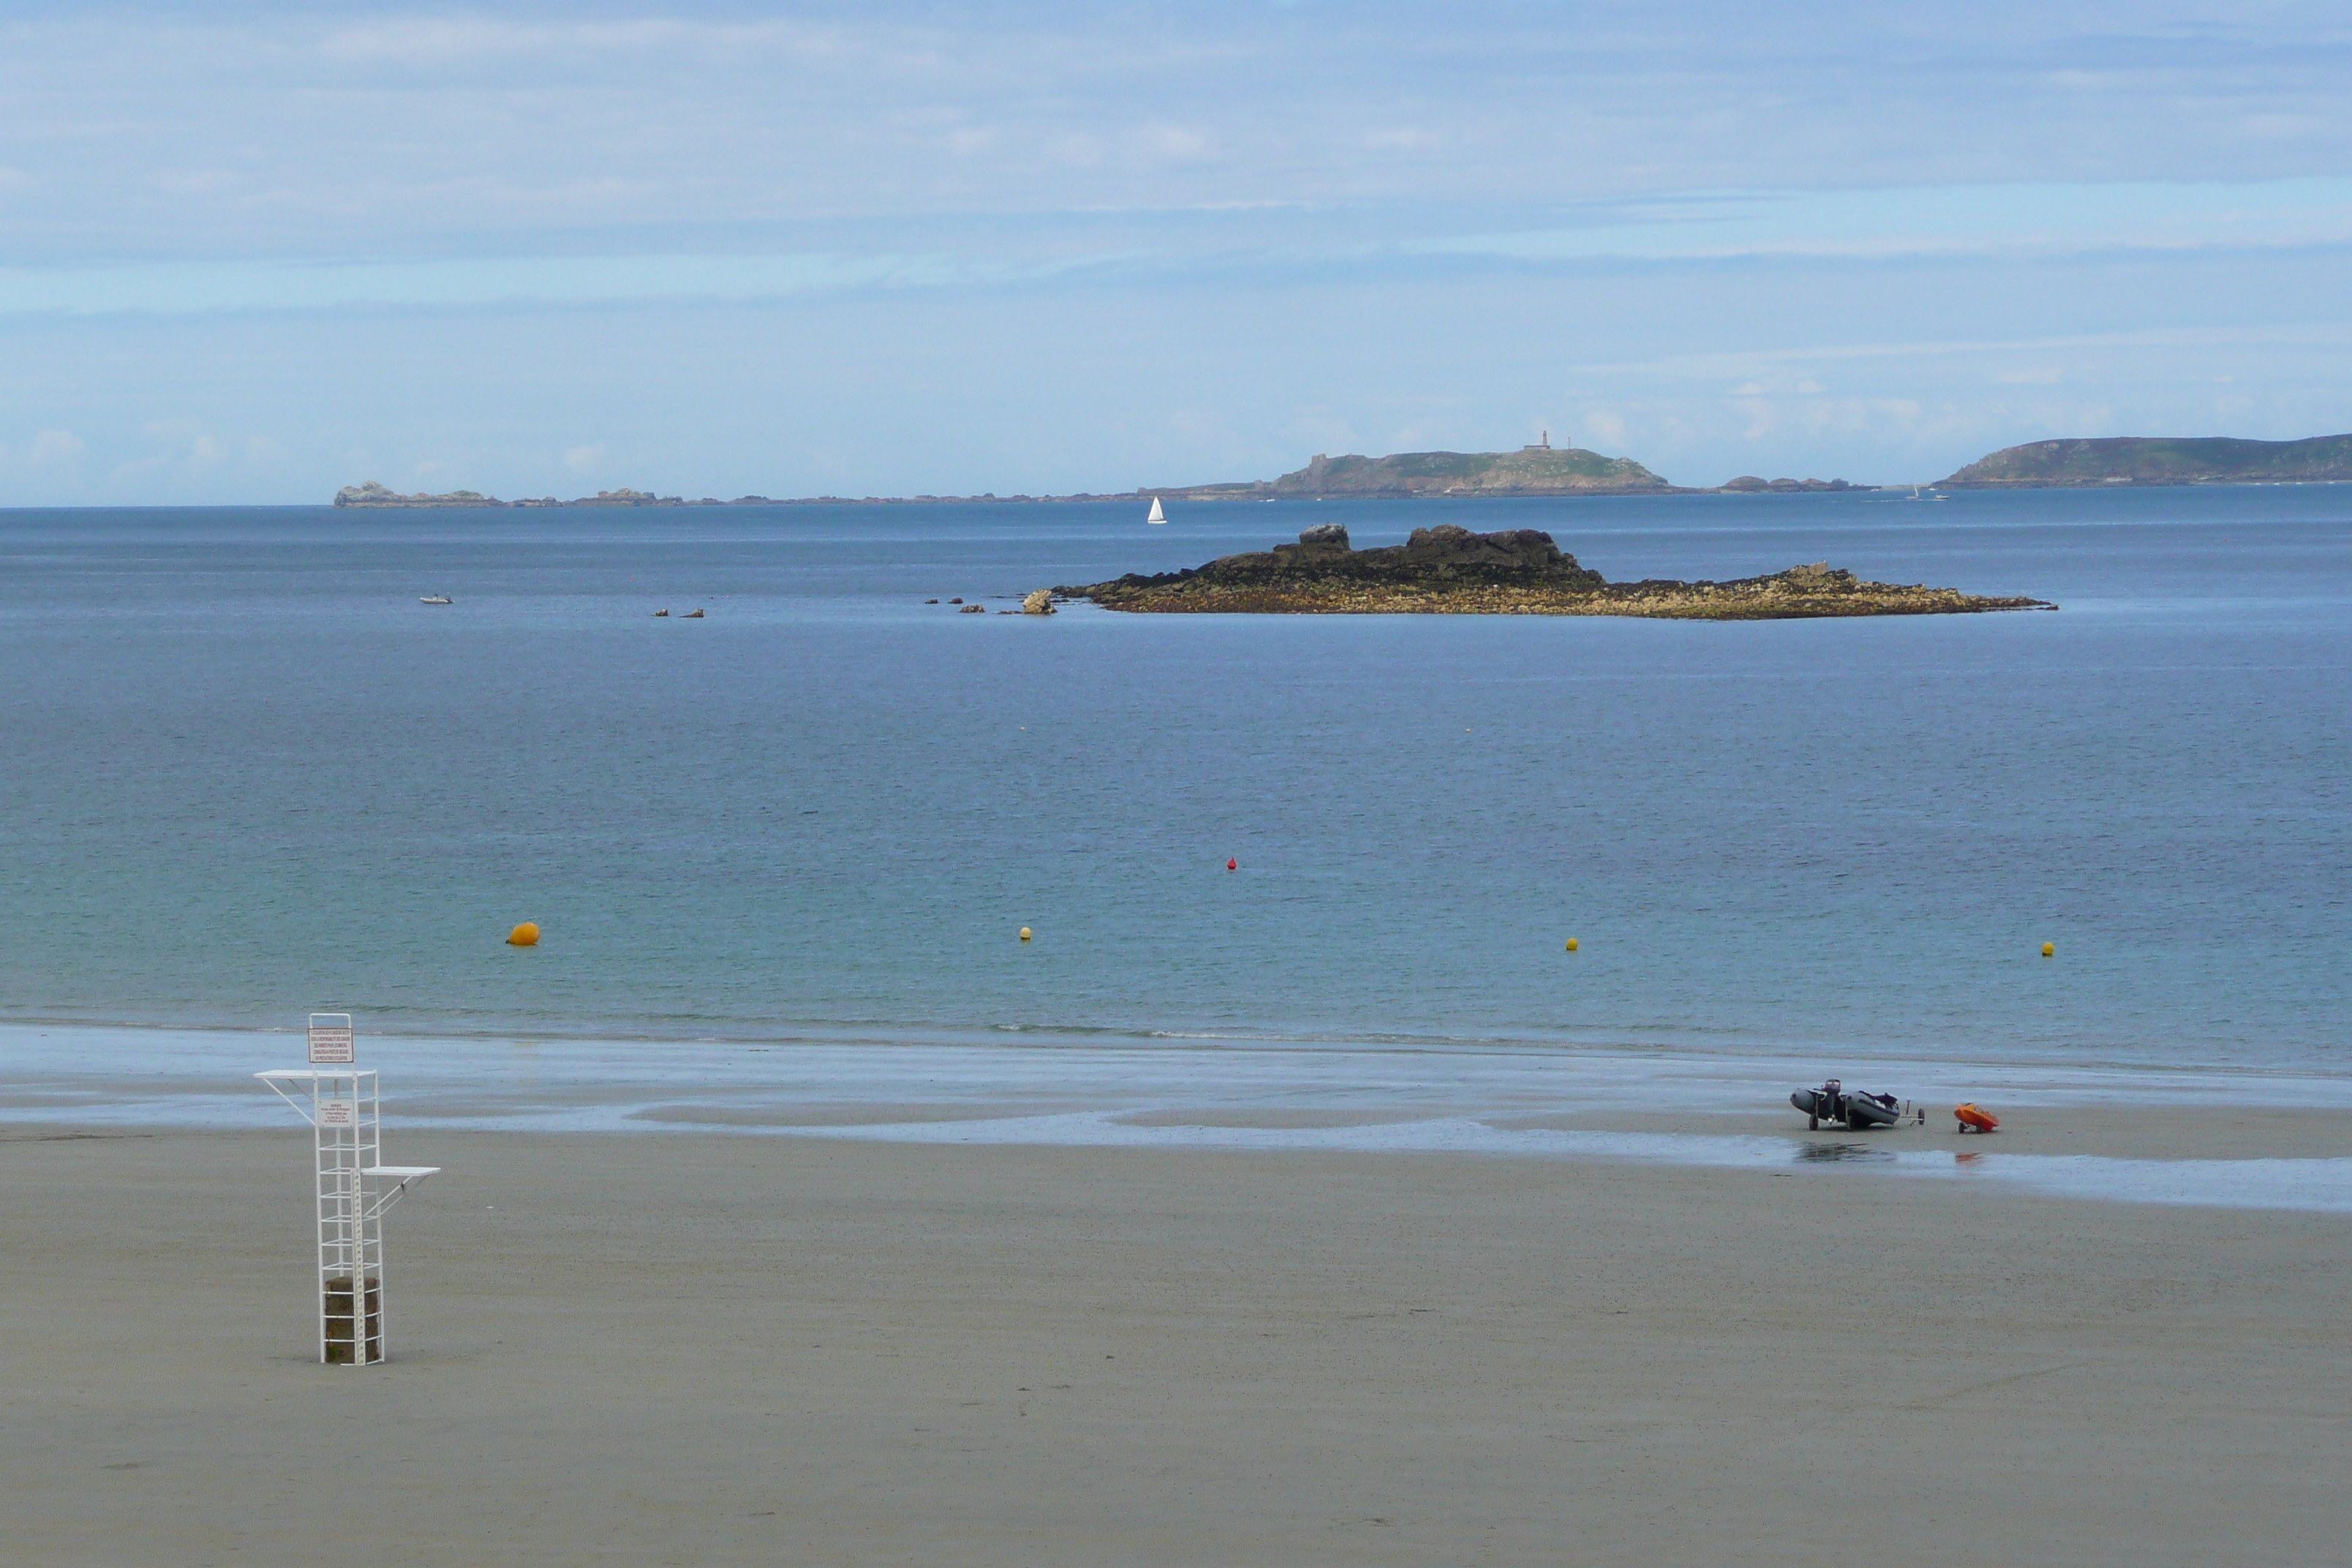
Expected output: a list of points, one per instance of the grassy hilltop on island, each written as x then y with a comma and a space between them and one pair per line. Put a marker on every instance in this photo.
2159, 460
1540, 470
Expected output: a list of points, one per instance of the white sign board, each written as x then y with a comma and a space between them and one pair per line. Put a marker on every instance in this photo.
337, 1112
331, 1039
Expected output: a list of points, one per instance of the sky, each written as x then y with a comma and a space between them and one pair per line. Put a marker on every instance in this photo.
251, 253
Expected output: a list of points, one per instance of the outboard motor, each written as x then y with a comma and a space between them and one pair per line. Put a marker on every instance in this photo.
1826, 1103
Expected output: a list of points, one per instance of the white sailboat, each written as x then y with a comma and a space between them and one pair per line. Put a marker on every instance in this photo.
1157, 515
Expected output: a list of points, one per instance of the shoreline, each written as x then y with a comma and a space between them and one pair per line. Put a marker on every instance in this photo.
41, 1049
17, 1035
2277, 1141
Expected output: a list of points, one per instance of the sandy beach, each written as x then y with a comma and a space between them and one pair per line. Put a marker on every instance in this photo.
696, 1347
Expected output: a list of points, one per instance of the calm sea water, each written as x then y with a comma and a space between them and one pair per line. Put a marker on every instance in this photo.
246, 774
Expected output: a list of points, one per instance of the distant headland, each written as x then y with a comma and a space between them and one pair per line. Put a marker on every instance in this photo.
1543, 470
1449, 570
1540, 470
2159, 460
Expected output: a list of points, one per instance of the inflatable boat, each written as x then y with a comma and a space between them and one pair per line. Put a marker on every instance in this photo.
1834, 1102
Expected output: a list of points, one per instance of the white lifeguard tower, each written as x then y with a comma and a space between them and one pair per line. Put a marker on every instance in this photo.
354, 1187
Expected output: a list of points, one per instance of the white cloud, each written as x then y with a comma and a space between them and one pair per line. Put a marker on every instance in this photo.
53, 447
583, 459
1175, 142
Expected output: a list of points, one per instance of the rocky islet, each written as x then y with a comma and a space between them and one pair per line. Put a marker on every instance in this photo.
1450, 570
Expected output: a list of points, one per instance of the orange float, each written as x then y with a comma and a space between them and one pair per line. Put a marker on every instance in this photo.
1973, 1120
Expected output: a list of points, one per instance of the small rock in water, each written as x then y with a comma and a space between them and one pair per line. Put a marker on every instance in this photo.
973, 610
1040, 603
1324, 533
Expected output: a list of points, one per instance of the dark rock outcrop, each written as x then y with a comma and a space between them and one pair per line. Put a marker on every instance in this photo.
1319, 566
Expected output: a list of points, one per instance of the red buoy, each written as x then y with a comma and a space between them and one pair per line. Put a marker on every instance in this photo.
1232, 865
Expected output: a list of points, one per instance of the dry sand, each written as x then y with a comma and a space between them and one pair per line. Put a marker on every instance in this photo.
692, 1348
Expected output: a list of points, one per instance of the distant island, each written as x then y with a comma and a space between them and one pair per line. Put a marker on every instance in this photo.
373, 494
2159, 460
1449, 570
1541, 469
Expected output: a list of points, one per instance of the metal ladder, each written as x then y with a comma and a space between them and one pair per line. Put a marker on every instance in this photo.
354, 1188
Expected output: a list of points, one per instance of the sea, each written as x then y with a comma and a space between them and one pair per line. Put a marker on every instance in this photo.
788, 849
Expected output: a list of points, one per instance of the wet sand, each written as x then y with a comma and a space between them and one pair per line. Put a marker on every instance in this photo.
2119, 1132
706, 1348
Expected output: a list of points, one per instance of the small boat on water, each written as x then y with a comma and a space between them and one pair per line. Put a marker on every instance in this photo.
436, 599
1157, 515
1834, 1102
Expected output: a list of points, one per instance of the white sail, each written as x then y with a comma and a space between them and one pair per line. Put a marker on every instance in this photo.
1157, 515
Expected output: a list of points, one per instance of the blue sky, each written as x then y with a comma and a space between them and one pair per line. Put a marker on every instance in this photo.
252, 253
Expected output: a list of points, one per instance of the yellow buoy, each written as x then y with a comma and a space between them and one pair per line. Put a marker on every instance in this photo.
1024, 933
523, 935
2049, 950
1572, 944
